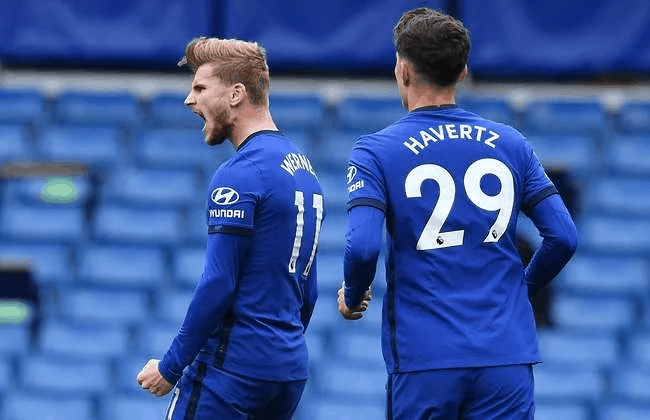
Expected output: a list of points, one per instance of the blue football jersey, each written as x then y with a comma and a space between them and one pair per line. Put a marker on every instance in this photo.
451, 185
269, 191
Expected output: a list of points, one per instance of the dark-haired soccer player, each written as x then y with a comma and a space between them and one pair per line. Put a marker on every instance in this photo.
458, 334
242, 337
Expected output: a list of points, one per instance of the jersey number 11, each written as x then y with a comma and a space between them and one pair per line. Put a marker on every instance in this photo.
300, 223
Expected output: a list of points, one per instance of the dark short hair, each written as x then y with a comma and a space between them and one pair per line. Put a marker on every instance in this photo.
435, 43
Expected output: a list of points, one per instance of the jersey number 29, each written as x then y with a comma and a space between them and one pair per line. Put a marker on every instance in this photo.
300, 223
431, 237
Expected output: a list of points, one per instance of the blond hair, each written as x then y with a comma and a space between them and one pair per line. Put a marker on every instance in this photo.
235, 61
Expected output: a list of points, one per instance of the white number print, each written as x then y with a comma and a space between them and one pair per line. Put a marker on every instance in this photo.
432, 237
300, 223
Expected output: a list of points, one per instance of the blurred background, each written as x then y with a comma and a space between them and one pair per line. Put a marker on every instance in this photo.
104, 180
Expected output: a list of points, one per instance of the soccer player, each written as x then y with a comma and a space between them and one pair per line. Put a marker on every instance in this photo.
242, 340
458, 333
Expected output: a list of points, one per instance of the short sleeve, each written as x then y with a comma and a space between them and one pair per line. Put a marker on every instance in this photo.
537, 185
365, 181
233, 197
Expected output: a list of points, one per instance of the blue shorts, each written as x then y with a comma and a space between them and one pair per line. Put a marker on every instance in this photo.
207, 393
499, 392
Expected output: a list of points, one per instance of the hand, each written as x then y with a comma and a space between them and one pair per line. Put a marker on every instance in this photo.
357, 313
151, 379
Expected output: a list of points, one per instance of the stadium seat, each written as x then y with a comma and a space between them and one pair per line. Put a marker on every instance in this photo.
495, 109
317, 345
564, 116
104, 306
168, 110
353, 381
153, 188
575, 152
22, 106
115, 224
7, 378
632, 383
568, 382
155, 338
51, 263
126, 369
623, 411
634, 117
32, 406
335, 192
15, 339
598, 313
188, 266
173, 148
369, 114
609, 275
614, 235
196, 232
122, 266
628, 155
98, 108
134, 407
360, 345
297, 111
561, 411
330, 271
304, 140
330, 409
79, 376
326, 315
99, 145
579, 348
14, 143
332, 233
56, 190
638, 349
619, 196
81, 340
172, 305
334, 150
47, 223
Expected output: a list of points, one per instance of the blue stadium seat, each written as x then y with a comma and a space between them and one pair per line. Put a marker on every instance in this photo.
317, 345
104, 108
632, 383
188, 265
354, 381
564, 116
609, 275
634, 117
80, 340
335, 192
568, 382
369, 114
99, 145
576, 152
619, 196
7, 379
168, 110
14, 143
51, 263
579, 348
304, 140
184, 148
79, 376
495, 109
638, 349
122, 266
134, 407
172, 305
334, 150
297, 111
116, 307
599, 313
360, 345
32, 406
624, 411
561, 411
334, 408
326, 315
22, 106
114, 224
628, 155
330, 271
15, 339
56, 190
197, 227
153, 188
614, 235
126, 370
155, 338
49, 223
332, 233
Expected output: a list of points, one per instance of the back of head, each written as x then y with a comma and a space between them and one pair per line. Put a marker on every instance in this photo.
436, 44
234, 61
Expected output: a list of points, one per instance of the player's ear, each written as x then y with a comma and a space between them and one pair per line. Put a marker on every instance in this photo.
463, 74
237, 94
406, 74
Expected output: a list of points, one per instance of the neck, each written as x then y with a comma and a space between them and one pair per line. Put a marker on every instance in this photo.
421, 97
250, 120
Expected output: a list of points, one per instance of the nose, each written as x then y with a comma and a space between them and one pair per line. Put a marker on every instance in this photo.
189, 100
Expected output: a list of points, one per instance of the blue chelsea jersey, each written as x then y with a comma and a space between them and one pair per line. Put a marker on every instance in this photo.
451, 185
